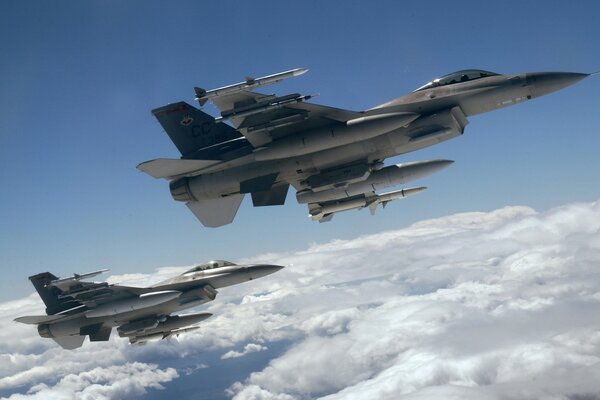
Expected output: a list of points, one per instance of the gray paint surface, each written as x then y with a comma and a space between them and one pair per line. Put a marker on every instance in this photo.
280, 141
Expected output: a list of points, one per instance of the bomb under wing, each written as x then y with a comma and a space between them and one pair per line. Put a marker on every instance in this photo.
76, 308
271, 142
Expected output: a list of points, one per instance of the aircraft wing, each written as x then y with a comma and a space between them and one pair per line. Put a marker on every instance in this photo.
40, 319
263, 118
82, 293
101, 293
229, 102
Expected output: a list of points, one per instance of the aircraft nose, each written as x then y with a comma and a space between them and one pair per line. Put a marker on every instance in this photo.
260, 270
440, 164
547, 82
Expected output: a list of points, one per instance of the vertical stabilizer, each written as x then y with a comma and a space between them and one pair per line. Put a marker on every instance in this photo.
49, 294
191, 129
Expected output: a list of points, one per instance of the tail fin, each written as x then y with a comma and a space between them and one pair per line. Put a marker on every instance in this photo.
191, 129
49, 294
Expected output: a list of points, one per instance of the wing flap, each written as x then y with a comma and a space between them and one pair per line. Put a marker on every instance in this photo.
167, 168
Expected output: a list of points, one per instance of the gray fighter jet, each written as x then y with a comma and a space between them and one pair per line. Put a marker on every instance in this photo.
76, 308
332, 157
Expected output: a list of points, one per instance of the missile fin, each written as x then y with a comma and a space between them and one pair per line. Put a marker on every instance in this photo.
373, 207
249, 84
326, 218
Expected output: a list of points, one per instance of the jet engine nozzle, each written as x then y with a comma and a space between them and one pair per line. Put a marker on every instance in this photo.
44, 331
180, 190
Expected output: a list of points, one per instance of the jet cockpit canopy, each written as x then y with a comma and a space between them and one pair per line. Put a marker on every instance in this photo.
210, 265
457, 77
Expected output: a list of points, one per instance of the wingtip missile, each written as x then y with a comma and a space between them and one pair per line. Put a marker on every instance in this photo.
63, 283
202, 95
299, 71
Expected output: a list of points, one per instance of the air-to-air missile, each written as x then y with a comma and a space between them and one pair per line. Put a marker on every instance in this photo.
327, 209
76, 308
202, 95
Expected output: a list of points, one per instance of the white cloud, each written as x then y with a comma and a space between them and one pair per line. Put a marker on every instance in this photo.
113, 382
498, 305
249, 348
478, 305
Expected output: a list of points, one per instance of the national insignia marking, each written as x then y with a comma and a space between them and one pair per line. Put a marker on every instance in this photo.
187, 120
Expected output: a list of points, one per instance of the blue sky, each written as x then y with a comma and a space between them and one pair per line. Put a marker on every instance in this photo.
78, 80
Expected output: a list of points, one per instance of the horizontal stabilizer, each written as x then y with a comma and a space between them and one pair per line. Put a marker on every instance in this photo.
39, 319
216, 212
167, 168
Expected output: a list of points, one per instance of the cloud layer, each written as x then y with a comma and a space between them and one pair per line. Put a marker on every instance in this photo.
496, 305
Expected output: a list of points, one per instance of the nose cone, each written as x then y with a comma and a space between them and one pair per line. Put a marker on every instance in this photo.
547, 82
412, 191
437, 165
410, 171
260, 270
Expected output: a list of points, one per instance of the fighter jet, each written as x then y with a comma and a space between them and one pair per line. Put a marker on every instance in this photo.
333, 157
76, 308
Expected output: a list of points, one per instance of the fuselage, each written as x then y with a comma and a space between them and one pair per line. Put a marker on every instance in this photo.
443, 111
